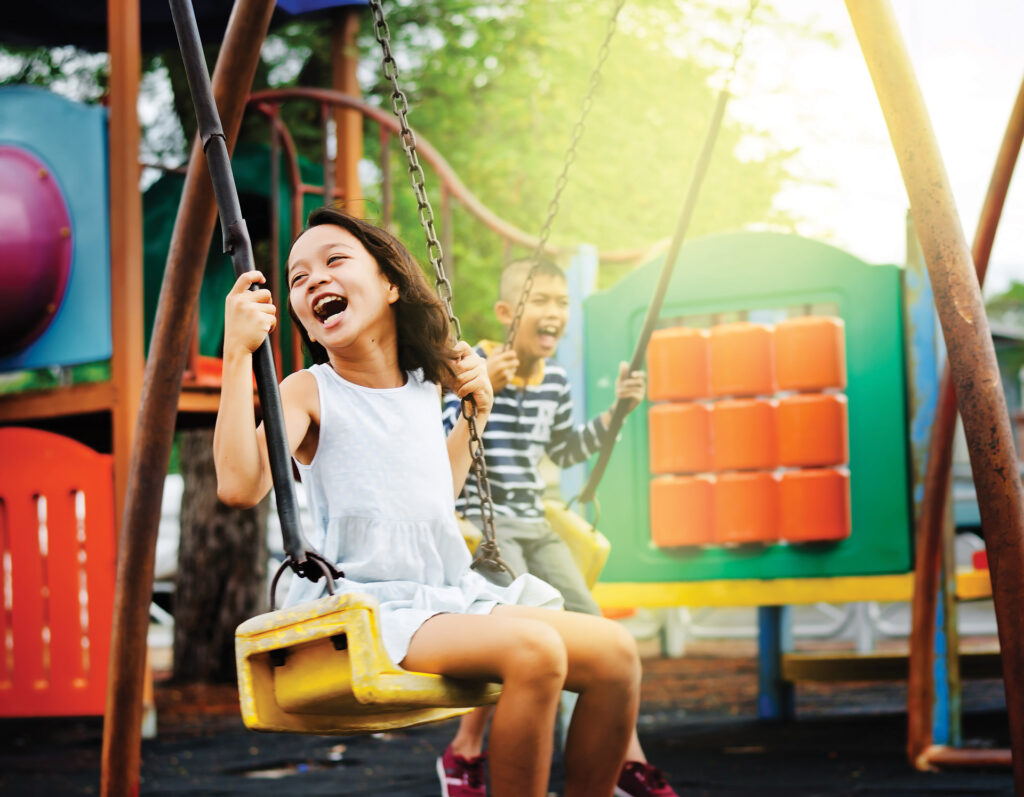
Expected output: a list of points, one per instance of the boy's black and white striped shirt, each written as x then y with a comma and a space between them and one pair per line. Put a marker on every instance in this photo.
526, 422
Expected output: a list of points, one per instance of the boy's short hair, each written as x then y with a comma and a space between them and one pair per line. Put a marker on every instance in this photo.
514, 275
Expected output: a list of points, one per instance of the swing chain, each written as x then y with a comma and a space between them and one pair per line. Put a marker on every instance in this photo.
400, 107
487, 555
563, 178
737, 50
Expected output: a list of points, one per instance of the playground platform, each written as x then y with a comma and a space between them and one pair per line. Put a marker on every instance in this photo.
698, 722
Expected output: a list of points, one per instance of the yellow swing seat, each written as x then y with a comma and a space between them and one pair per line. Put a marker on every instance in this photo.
588, 546
320, 667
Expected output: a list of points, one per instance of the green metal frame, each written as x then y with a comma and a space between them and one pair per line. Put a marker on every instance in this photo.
764, 272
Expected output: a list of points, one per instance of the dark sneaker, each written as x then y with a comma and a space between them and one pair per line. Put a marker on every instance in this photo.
461, 777
642, 780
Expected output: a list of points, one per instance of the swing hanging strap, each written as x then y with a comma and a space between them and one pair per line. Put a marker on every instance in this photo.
621, 409
488, 555
301, 558
563, 177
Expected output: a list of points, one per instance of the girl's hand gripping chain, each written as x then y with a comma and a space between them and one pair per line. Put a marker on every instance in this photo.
249, 316
470, 378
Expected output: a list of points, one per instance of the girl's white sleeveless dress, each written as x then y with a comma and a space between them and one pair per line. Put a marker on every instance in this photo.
383, 507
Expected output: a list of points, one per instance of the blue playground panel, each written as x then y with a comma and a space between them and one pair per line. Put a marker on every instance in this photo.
71, 139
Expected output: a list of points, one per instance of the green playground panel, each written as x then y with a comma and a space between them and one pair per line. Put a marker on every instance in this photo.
739, 272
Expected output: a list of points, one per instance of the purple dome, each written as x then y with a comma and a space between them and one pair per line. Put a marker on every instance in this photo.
35, 248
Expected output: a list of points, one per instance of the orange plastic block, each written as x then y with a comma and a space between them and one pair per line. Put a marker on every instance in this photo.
680, 438
741, 360
814, 505
746, 508
678, 364
810, 353
743, 431
682, 511
813, 430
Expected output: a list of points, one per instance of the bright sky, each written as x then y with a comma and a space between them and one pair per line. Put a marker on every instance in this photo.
969, 59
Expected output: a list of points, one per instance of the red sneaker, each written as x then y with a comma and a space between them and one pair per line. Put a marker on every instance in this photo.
642, 780
461, 777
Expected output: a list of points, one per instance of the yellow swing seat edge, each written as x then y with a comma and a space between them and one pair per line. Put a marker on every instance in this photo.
319, 693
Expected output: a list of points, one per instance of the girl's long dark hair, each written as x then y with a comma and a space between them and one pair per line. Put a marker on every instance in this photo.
420, 317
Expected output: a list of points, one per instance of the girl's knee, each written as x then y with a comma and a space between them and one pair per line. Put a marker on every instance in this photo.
538, 657
621, 659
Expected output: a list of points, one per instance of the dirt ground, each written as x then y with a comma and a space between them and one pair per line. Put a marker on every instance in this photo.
698, 723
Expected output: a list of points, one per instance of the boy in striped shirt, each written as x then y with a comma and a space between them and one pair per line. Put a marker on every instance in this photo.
532, 416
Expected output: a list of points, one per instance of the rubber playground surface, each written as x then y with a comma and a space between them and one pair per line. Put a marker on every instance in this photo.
698, 723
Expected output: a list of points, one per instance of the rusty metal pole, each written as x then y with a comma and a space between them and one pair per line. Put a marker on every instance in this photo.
971, 355
920, 686
168, 351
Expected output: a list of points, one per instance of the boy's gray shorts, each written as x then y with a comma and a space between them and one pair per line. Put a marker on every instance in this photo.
532, 546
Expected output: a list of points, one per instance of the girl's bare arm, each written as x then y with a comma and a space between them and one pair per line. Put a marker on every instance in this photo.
239, 446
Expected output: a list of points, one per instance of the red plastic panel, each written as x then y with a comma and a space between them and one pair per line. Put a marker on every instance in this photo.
57, 542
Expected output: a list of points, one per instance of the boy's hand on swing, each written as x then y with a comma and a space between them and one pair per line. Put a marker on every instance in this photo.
501, 367
470, 377
630, 387
249, 316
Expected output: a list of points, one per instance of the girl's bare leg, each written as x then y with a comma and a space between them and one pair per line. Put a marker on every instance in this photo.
635, 752
604, 668
529, 658
469, 739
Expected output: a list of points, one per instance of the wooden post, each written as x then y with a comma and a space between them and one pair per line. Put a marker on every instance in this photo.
125, 237
168, 352
349, 123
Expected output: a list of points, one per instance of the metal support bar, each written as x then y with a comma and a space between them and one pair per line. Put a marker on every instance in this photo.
775, 695
972, 360
929, 529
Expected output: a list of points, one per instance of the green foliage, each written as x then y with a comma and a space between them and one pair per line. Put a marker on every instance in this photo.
1009, 305
68, 71
497, 90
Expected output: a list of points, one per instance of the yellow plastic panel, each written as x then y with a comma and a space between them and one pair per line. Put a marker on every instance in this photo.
589, 547
320, 667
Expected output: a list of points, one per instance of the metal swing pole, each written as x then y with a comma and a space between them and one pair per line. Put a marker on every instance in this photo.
921, 683
971, 356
